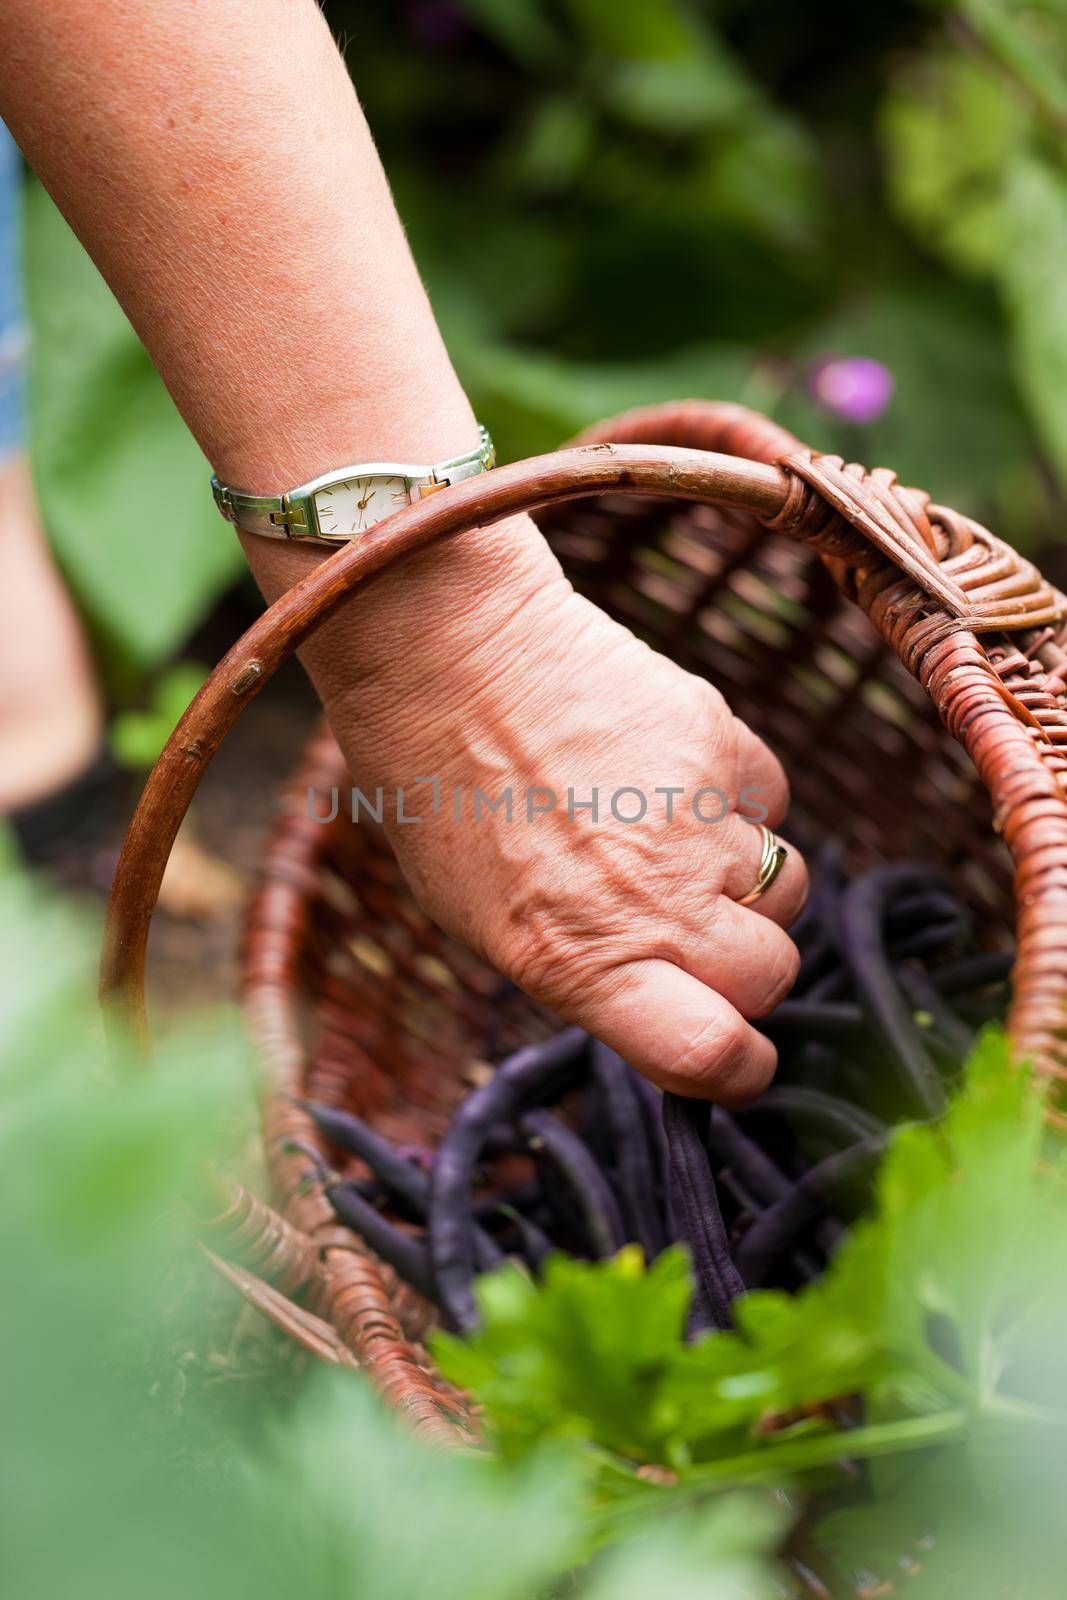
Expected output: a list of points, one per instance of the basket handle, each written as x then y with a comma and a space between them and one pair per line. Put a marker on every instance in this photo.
931, 581
765, 490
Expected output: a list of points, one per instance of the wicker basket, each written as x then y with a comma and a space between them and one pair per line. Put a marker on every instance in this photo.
849, 621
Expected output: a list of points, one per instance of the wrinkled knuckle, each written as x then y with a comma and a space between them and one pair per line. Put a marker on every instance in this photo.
532, 955
716, 1053
740, 731
746, 1087
781, 976
713, 701
549, 963
697, 689
801, 889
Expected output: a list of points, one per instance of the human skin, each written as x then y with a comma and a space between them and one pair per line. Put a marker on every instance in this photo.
213, 158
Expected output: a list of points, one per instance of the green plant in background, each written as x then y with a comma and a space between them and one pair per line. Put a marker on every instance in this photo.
122, 484
137, 737
620, 204
975, 133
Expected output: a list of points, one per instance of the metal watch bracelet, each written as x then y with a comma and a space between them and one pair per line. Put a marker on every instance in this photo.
348, 502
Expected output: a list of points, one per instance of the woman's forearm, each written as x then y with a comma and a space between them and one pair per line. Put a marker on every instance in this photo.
215, 162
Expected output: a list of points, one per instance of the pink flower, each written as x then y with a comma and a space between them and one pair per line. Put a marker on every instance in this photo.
856, 388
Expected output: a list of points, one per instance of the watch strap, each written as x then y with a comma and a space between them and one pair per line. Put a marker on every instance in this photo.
292, 515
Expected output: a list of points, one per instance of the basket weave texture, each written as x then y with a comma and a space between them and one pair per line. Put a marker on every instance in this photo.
907, 666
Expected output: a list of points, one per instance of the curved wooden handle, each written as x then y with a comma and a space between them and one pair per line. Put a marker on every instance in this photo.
591, 469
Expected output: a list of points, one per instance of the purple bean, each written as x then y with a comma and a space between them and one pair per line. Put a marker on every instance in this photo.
863, 910
685, 1123
528, 1075
731, 1147
556, 1145
923, 942
806, 1018
816, 961
773, 1232
748, 1207
651, 1102
522, 1198
760, 1175
827, 883
954, 1034
399, 1176
407, 1256
535, 1244
826, 1113
828, 986
404, 1181
913, 912
637, 1179
974, 972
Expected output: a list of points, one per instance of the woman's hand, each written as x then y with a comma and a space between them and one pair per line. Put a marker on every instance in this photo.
629, 928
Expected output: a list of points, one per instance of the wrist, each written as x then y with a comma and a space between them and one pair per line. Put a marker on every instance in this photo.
415, 655
427, 646
428, 633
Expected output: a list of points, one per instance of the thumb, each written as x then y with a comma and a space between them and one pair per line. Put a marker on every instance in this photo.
677, 1032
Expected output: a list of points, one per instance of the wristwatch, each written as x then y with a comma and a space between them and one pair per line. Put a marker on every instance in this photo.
341, 505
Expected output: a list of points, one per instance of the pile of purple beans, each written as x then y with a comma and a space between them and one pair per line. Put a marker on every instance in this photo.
566, 1147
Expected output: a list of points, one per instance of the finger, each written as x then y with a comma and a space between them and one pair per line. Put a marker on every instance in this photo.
762, 786
677, 1031
786, 897
746, 958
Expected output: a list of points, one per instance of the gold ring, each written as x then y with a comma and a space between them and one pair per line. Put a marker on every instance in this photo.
772, 860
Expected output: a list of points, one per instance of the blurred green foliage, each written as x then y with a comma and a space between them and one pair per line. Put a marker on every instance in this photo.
617, 204
648, 199
157, 1441
137, 737
121, 482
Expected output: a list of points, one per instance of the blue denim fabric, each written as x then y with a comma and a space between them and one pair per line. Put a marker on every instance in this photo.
13, 335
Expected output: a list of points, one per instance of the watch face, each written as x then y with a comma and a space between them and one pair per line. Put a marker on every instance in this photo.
352, 505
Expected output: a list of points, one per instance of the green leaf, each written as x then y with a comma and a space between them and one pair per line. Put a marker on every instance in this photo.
357, 1507
137, 737
718, 1554
122, 485
1028, 43
677, 96
519, 26
581, 1357
951, 131
651, 30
